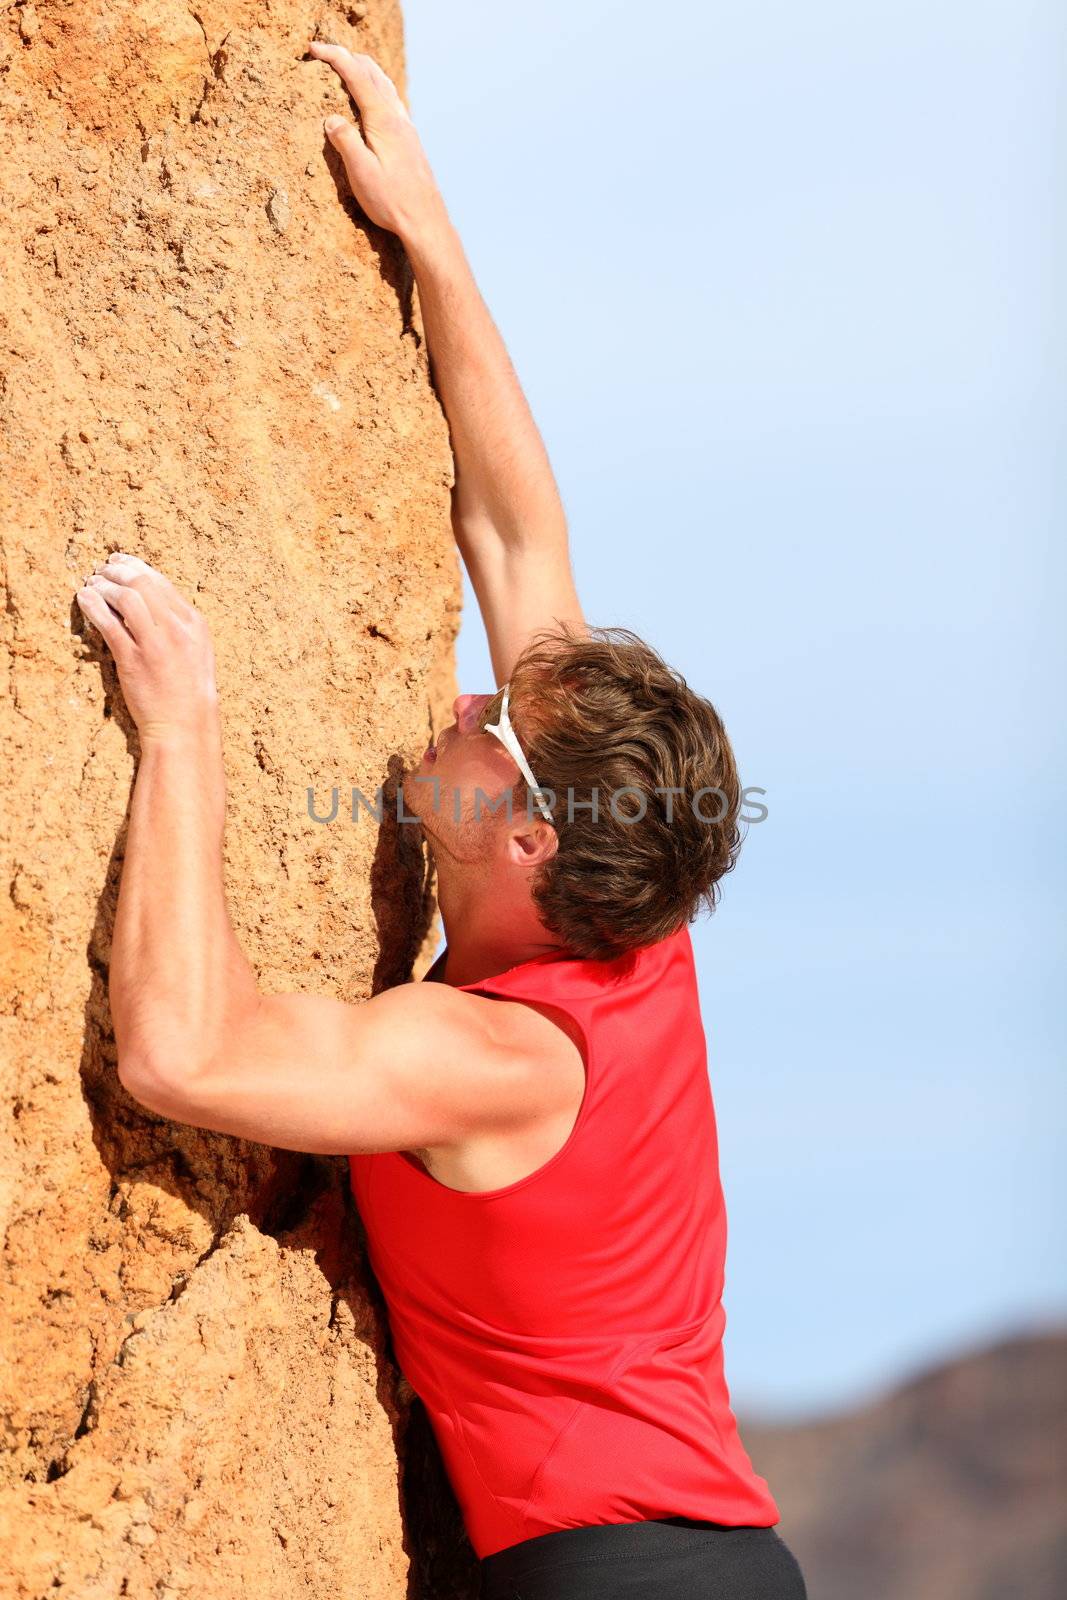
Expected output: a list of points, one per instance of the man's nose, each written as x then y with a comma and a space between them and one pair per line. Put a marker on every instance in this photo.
467, 708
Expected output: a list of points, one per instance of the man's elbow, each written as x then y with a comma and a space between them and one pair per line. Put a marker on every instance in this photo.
160, 1080
166, 1065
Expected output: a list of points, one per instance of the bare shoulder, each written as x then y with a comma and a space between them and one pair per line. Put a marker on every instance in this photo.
522, 1028
547, 1038
486, 1033
518, 1070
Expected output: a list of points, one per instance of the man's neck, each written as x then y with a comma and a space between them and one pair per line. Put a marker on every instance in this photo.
469, 961
486, 935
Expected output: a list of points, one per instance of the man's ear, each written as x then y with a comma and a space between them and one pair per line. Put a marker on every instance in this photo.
532, 843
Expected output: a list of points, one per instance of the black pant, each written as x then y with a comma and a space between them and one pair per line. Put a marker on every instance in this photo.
666, 1558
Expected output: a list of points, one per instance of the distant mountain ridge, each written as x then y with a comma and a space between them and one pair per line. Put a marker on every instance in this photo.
951, 1487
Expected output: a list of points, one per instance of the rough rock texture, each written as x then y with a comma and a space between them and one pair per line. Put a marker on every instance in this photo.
210, 358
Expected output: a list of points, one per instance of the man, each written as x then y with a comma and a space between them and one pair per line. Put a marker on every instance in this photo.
531, 1134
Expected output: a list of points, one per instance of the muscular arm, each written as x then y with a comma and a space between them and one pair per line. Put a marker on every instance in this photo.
421, 1065
507, 514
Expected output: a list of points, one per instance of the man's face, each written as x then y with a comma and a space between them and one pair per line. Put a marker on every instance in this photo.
459, 779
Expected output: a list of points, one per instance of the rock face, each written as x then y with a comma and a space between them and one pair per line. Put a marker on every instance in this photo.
211, 359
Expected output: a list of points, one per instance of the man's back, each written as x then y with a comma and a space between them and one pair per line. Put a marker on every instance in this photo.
564, 1329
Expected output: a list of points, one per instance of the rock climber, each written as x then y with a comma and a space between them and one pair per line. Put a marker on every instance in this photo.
530, 1129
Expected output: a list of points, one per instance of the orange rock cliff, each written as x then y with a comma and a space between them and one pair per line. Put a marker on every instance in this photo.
209, 358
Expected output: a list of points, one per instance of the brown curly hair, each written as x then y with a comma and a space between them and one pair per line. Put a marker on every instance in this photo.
600, 710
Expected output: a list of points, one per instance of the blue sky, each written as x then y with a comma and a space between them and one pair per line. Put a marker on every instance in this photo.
783, 286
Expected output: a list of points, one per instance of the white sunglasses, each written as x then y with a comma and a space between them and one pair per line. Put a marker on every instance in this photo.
506, 734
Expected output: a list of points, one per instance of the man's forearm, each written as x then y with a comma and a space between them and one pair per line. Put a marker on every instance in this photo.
178, 975
504, 481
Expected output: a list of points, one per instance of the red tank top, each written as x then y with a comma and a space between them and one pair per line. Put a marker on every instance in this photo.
565, 1332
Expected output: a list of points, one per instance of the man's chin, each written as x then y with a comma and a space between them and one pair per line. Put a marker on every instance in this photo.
421, 797
412, 796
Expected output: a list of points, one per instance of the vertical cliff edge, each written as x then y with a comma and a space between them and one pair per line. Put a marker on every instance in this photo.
207, 357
